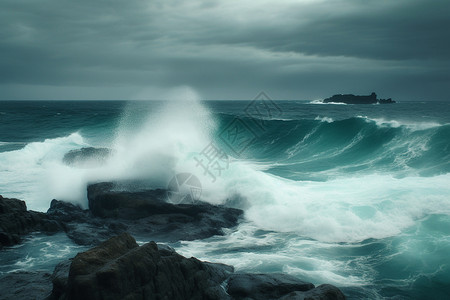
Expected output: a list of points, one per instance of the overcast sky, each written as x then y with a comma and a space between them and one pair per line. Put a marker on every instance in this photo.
304, 49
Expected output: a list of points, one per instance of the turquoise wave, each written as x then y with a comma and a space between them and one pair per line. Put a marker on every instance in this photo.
318, 149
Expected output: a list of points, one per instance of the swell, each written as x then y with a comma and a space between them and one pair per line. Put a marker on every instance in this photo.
357, 144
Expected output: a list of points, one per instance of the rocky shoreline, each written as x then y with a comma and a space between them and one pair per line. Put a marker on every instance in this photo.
117, 268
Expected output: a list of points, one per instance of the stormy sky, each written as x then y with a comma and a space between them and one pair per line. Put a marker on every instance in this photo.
304, 49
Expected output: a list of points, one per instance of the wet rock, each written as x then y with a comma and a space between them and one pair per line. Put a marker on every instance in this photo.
147, 214
65, 212
60, 279
322, 292
80, 225
16, 220
120, 269
265, 286
106, 203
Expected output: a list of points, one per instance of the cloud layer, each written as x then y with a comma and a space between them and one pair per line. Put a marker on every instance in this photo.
62, 49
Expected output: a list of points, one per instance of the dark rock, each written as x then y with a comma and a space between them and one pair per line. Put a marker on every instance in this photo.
87, 157
353, 99
105, 202
80, 225
120, 269
386, 101
85, 234
65, 212
322, 292
60, 279
265, 286
142, 213
147, 214
16, 220
25, 285
50, 226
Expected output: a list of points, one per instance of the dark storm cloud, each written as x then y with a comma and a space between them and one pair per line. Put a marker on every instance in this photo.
392, 30
224, 49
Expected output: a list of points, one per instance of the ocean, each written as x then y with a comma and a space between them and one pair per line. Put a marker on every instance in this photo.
353, 195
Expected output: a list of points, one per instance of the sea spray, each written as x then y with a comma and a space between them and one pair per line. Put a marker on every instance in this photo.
154, 142
36, 172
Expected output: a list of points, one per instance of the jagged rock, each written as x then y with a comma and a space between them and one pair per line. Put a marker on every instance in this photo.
16, 220
120, 269
81, 226
147, 214
322, 292
265, 286
105, 202
65, 212
87, 157
142, 213
60, 279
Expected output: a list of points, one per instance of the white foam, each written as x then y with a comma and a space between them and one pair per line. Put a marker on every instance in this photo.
320, 101
324, 119
396, 124
340, 210
26, 173
250, 251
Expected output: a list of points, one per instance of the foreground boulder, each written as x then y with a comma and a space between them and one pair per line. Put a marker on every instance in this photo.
120, 269
16, 220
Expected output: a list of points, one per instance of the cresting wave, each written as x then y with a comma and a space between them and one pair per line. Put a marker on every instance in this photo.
323, 148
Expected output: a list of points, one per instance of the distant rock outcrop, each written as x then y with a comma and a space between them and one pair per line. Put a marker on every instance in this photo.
386, 101
353, 99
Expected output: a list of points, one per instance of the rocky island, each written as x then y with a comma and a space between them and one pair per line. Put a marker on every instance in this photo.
355, 99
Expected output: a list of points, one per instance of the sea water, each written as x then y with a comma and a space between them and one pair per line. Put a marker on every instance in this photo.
353, 195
